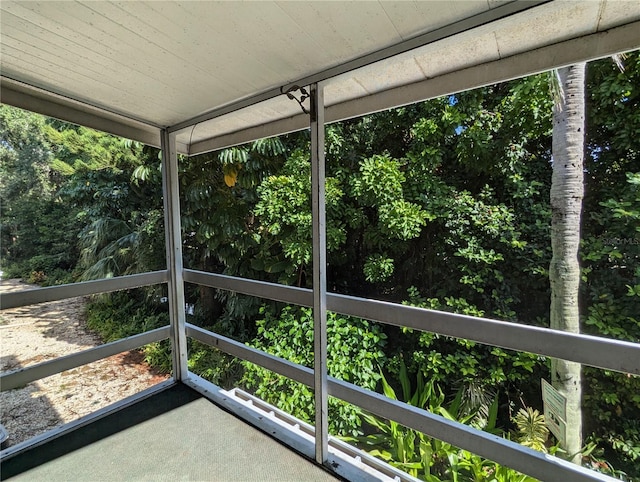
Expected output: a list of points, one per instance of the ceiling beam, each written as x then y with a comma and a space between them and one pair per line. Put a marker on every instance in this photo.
492, 15
586, 48
24, 96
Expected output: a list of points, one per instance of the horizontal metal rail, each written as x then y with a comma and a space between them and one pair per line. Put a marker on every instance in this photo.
276, 364
518, 457
492, 447
605, 353
260, 289
55, 293
609, 354
22, 376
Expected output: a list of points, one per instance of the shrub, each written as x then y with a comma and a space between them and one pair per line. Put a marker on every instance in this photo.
354, 355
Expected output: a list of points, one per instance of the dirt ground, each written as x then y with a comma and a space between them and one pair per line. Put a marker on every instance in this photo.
36, 333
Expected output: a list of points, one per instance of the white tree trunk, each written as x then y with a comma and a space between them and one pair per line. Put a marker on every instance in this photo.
566, 206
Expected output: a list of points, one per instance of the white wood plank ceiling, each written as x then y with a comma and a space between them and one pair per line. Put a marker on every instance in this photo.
134, 67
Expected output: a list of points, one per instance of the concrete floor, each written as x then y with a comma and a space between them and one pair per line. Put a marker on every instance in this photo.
174, 435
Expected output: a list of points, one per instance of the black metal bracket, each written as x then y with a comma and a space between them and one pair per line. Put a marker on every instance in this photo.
304, 95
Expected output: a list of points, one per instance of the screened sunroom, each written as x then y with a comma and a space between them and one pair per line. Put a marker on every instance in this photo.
191, 78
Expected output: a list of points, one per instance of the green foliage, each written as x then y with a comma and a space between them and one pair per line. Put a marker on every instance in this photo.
446, 359
284, 209
158, 355
119, 201
222, 233
610, 251
37, 229
62, 182
614, 403
123, 313
453, 224
80, 149
401, 219
531, 429
115, 247
380, 181
378, 268
214, 365
41, 239
26, 154
593, 459
354, 353
424, 457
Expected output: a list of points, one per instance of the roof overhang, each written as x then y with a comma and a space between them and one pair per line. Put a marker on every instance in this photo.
214, 72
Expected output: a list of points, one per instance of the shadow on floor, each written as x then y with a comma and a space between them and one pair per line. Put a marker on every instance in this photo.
25, 411
147, 409
175, 434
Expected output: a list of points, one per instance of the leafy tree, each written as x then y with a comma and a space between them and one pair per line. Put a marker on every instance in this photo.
355, 352
610, 251
37, 233
68, 195
284, 210
115, 185
221, 232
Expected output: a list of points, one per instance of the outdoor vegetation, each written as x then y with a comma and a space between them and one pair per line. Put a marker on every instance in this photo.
445, 205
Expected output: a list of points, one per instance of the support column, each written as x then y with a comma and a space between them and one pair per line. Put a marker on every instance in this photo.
318, 212
173, 243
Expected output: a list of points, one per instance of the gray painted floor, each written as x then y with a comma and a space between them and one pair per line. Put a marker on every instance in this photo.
196, 441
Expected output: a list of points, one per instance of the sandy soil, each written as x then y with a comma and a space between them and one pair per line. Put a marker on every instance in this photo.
36, 333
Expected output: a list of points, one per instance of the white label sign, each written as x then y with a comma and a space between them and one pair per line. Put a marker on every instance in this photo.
554, 400
555, 411
556, 426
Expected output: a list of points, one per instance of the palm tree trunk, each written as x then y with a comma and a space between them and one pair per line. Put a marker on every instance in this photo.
567, 189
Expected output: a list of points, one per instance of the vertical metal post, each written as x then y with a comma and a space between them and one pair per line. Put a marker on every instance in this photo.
318, 212
173, 242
